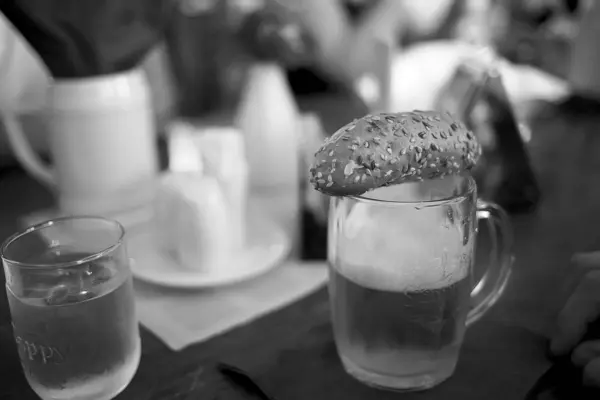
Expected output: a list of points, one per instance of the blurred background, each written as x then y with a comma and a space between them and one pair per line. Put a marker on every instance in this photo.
202, 39
269, 78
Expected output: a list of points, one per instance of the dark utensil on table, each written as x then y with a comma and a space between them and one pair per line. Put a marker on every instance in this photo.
563, 380
244, 380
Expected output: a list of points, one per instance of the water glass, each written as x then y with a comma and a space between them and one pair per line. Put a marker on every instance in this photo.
71, 300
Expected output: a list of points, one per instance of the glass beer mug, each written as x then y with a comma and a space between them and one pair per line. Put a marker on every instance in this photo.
401, 283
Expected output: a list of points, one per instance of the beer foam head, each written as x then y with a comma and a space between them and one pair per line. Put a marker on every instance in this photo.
401, 249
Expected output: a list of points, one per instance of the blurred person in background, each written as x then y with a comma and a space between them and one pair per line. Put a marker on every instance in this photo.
345, 33
534, 32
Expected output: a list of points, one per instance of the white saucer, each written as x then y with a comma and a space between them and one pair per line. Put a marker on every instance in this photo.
267, 247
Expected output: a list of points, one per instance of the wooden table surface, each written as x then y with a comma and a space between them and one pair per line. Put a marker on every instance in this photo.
292, 352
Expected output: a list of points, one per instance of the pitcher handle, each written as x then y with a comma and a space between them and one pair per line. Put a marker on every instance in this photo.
491, 286
24, 153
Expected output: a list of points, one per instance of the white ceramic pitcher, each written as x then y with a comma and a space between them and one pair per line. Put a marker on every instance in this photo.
101, 140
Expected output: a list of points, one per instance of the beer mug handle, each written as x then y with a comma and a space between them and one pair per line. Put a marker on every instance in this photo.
491, 286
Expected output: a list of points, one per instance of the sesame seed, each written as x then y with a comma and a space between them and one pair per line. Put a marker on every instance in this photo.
469, 136
367, 145
388, 173
443, 135
363, 178
369, 172
353, 147
356, 179
453, 126
329, 178
345, 137
393, 161
434, 135
412, 140
383, 157
389, 150
432, 165
331, 153
418, 149
329, 184
319, 174
403, 152
434, 147
404, 131
377, 140
422, 135
349, 168
321, 181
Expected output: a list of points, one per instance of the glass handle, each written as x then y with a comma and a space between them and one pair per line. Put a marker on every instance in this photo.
491, 286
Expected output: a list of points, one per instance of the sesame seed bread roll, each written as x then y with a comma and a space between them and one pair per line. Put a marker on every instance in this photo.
385, 149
